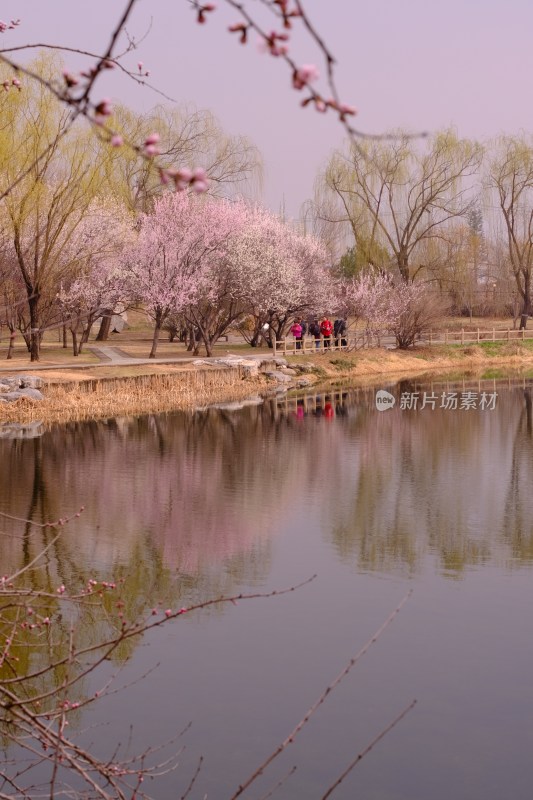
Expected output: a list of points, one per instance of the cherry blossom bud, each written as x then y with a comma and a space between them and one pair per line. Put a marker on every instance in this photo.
70, 79
140, 65
3, 26
153, 138
200, 186
240, 27
304, 75
184, 175
6, 85
168, 613
16, 82
345, 109
104, 108
199, 174
117, 140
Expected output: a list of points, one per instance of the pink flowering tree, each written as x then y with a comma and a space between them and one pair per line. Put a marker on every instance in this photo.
382, 306
98, 282
281, 273
176, 258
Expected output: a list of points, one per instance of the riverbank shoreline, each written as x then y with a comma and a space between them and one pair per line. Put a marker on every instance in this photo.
116, 391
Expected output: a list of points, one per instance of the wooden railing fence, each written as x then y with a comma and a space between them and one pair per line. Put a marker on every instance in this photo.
309, 345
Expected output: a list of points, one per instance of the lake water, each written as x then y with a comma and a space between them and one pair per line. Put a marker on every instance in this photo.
189, 507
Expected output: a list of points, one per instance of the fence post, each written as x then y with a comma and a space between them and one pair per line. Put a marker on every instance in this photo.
523, 333
508, 334
274, 345
284, 345
494, 334
430, 337
462, 335
446, 336
478, 335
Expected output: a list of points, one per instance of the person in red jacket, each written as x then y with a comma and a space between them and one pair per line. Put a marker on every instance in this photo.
326, 329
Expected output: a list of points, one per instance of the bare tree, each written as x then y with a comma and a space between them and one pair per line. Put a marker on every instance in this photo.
394, 195
511, 179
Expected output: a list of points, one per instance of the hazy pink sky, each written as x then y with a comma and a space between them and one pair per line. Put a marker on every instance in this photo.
416, 64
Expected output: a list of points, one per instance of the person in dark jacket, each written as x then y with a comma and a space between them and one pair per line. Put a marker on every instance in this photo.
314, 331
339, 331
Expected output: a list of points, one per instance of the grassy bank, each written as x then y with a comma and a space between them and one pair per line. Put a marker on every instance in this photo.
363, 366
108, 391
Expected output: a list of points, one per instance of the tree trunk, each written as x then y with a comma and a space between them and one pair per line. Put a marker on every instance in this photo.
75, 350
190, 338
157, 331
11, 345
105, 327
403, 266
526, 308
35, 339
65, 343
85, 334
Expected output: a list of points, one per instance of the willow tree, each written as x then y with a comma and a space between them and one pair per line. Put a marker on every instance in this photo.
511, 179
53, 178
394, 194
188, 138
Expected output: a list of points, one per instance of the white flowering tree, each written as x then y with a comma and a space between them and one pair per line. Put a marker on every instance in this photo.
97, 284
281, 273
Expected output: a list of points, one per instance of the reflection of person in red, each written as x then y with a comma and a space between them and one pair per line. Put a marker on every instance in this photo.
300, 413
329, 411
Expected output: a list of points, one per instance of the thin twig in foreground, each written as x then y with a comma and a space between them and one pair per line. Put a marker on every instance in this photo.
368, 748
292, 735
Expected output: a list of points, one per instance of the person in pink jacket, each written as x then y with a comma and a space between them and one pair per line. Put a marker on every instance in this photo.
297, 332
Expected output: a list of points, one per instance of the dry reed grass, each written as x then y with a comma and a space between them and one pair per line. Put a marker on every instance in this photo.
105, 398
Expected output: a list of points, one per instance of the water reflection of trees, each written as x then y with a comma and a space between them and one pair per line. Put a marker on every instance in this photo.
452, 483
199, 497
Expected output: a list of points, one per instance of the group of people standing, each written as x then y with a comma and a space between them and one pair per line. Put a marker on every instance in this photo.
323, 331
